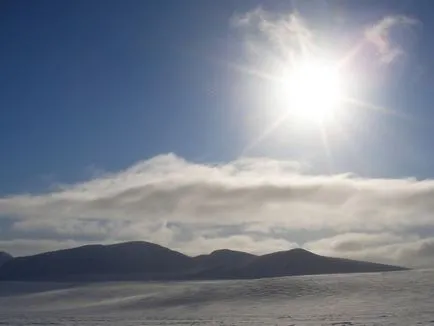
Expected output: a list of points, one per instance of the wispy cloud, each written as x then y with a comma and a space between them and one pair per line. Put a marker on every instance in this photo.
273, 40
379, 35
241, 242
162, 198
278, 37
405, 249
283, 31
21, 247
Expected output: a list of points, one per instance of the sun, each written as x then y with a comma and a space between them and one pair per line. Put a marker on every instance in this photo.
311, 91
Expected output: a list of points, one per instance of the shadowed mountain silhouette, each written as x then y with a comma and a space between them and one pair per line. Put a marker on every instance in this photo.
220, 262
141, 260
4, 257
223, 257
302, 262
148, 261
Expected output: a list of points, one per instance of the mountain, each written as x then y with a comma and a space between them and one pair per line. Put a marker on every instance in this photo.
133, 260
302, 262
4, 257
148, 261
223, 257
220, 262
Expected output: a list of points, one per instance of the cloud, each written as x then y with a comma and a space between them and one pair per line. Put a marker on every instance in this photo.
404, 249
239, 204
168, 188
22, 247
235, 242
279, 40
274, 41
354, 242
379, 35
282, 31
418, 253
68, 227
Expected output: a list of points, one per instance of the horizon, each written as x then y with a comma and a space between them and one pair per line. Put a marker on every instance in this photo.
255, 126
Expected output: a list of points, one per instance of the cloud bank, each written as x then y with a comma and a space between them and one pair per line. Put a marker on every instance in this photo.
240, 204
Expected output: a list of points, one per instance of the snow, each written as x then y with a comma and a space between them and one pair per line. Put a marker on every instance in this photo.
396, 298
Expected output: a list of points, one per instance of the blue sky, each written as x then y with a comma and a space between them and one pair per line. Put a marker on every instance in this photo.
87, 84
101, 101
92, 86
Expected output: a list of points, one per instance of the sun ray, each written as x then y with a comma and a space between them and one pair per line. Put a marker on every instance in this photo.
376, 108
309, 93
264, 134
327, 150
308, 84
252, 72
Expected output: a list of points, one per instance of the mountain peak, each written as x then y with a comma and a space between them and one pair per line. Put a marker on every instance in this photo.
4, 257
5, 254
135, 244
300, 251
228, 252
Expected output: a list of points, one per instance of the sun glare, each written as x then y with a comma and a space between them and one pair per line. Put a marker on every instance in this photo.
311, 92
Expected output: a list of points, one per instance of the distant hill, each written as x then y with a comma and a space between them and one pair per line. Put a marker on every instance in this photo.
148, 261
141, 260
223, 257
220, 262
303, 262
4, 257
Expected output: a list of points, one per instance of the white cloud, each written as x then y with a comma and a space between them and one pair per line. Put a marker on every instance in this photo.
379, 35
68, 227
22, 247
274, 41
407, 250
282, 31
279, 40
168, 188
418, 253
174, 202
235, 242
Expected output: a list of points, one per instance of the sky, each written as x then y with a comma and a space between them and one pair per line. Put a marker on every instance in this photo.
187, 124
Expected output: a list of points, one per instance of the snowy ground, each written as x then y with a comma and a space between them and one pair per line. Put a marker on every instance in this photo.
398, 298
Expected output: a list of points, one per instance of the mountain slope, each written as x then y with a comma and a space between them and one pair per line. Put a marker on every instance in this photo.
303, 262
147, 261
4, 257
141, 260
219, 262
223, 257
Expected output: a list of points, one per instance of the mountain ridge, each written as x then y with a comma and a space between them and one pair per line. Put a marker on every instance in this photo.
140, 260
4, 257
